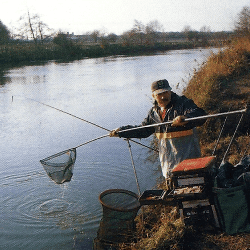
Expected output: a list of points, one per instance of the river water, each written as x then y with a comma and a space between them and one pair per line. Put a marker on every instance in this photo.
36, 213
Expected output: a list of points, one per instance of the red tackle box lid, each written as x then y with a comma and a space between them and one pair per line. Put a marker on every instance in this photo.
194, 164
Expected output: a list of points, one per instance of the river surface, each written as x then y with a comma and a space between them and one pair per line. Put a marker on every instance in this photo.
37, 213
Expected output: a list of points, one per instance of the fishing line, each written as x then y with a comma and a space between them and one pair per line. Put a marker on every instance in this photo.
94, 124
69, 114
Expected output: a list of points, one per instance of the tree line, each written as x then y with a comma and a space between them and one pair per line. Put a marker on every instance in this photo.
32, 28
33, 40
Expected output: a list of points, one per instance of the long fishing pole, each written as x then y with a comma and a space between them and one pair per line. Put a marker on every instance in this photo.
94, 124
185, 120
69, 114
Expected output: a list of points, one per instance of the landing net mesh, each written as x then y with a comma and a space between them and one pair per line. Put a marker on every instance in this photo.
119, 199
59, 167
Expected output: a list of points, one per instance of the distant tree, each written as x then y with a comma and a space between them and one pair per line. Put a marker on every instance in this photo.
142, 34
95, 35
205, 33
242, 24
138, 32
112, 37
4, 34
103, 37
127, 37
152, 30
191, 35
62, 40
32, 28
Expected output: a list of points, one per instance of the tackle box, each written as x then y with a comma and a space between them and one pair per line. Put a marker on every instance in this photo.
191, 191
194, 173
198, 210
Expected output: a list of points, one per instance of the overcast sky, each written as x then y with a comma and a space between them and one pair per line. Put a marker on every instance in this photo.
117, 16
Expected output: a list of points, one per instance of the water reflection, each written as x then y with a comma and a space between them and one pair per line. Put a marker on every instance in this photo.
3, 78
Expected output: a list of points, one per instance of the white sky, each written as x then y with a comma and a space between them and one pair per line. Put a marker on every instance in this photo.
80, 16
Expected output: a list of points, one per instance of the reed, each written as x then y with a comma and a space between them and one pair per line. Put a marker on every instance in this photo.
213, 78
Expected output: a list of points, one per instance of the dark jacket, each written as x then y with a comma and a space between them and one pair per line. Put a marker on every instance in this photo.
179, 105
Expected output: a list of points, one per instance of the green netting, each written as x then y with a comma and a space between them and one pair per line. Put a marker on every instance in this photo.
119, 199
59, 167
120, 208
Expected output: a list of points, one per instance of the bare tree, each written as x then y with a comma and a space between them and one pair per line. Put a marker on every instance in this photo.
32, 28
191, 35
143, 34
205, 33
127, 37
138, 31
30, 23
152, 30
95, 35
242, 24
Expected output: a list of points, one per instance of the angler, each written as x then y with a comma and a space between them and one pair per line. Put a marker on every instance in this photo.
178, 141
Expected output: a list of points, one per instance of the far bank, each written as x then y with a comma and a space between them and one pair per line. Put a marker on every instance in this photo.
26, 53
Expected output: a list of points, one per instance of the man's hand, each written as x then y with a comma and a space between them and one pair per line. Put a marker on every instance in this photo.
179, 121
114, 133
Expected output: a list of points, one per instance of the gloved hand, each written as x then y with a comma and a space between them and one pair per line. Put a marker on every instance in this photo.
114, 132
179, 121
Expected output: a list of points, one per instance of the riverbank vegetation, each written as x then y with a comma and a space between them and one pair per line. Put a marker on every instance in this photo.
220, 84
30, 53
33, 41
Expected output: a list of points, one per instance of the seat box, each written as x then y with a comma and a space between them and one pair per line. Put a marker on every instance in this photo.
193, 172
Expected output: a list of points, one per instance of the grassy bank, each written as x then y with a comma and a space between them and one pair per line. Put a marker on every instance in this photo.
30, 52
221, 83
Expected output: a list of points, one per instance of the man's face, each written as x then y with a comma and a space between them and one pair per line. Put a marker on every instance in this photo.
163, 99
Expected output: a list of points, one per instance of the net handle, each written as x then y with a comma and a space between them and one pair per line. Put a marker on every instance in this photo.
74, 149
95, 139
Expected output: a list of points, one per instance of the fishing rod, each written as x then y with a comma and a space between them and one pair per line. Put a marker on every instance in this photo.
94, 124
60, 110
218, 140
186, 120
236, 129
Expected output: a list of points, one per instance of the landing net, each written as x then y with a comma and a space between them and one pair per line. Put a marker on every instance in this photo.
59, 167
